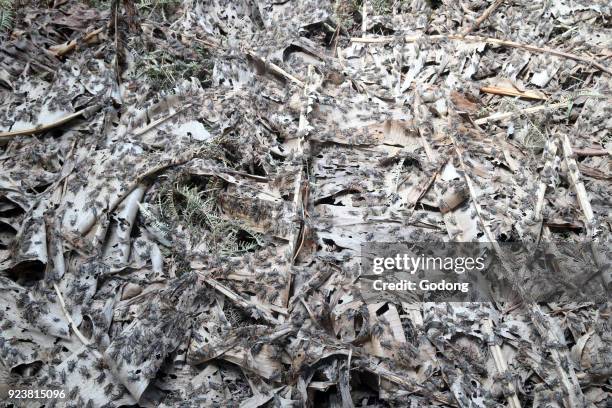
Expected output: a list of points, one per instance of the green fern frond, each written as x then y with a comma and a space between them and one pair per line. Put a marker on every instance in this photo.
158, 227
197, 210
6, 15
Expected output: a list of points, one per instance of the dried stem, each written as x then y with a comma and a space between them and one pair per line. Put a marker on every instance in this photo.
43, 128
506, 115
497, 90
495, 41
68, 317
483, 17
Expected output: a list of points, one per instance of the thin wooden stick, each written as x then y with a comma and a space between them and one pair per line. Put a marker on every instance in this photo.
584, 202
43, 128
277, 69
266, 313
295, 245
483, 17
495, 41
590, 151
551, 151
145, 129
498, 90
63, 49
68, 317
506, 115
501, 364
364, 19
565, 372
579, 188
568, 379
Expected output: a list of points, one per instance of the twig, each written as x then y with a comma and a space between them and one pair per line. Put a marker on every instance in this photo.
501, 364
506, 115
43, 128
115, 19
495, 41
551, 152
590, 151
497, 90
568, 379
261, 179
315, 281
266, 313
157, 122
460, 153
594, 173
572, 392
276, 69
63, 49
574, 174
585, 204
206, 42
298, 189
483, 17
272, 66
364, 19
68, 317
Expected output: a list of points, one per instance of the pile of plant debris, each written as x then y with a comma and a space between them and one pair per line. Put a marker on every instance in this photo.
185, 187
